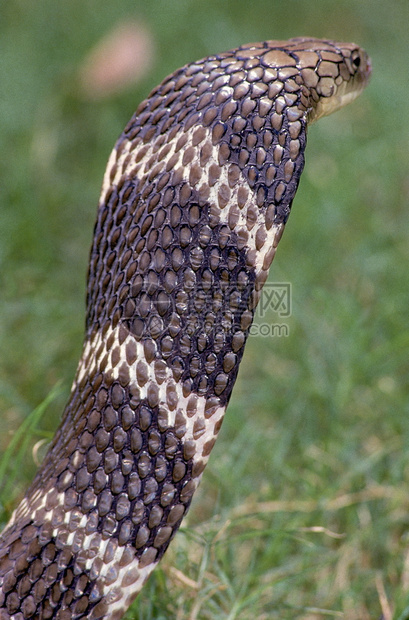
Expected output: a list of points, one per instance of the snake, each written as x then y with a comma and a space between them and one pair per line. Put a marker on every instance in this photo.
194, 201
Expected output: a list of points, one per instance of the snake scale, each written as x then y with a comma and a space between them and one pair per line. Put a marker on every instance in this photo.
194, 201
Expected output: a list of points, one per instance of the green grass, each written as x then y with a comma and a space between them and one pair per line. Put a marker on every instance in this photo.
303, 511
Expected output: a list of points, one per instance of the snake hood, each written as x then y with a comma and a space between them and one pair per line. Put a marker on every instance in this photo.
194, 201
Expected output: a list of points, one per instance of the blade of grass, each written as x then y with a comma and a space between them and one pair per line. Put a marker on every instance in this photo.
13, 456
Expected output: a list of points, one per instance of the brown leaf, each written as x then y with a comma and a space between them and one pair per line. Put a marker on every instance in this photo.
120, 59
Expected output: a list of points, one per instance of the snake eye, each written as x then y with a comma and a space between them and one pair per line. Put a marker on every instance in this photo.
356, 60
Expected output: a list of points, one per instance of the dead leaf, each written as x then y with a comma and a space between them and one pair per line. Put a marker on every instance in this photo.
120, 59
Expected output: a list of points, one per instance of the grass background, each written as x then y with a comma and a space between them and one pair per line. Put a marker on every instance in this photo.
303, 511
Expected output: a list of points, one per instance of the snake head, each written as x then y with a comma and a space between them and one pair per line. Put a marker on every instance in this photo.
333, 73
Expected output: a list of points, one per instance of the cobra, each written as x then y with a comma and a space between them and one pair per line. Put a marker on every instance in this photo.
194, 201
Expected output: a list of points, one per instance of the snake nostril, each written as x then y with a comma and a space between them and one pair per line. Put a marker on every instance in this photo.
369, 66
